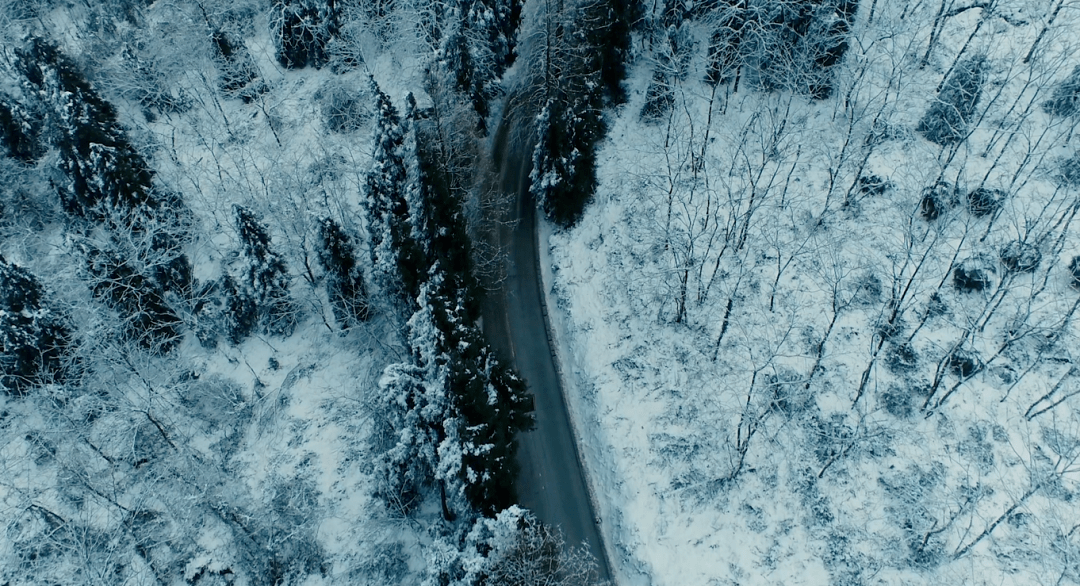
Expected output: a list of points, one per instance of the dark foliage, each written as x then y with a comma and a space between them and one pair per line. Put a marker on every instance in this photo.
239, 73
563, 177
266, 275
612, 41
901, 359
871, 185
897, 402
949, 117
19, 131
802, 41
983, 201
33, 337
970, 279
1074, 272
344, 276
447, 239
139, 299
659, 98
1020, 257
241, 312
468, 81
303, 29
107, 173
1070, 170
494, 406
937, 199
726, 50
1066, 98
963, 364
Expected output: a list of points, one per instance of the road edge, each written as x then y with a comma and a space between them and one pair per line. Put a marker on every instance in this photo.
557, 360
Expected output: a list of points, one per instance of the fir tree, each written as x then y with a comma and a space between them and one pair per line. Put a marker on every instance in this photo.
266, 276
108, 176
344, 277
33, 338
563, 175
393, 224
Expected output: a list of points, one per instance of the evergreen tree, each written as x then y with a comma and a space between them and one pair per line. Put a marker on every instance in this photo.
108, 176
948, 119
494, 406
394, 225
344, 277
19, 132
266, 276
415, 394
563, 175
33, 337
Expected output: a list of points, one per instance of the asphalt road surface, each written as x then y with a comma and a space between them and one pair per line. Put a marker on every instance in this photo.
551, 483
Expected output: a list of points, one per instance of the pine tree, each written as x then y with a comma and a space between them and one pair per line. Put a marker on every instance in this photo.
417, 403
394, 226
266, 276
563, 175
108, 176
494, 406
19, 132
33, 338
344, 277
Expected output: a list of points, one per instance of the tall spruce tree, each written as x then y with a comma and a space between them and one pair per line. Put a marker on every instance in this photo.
109, 179
394, 226
344, 276
266, 276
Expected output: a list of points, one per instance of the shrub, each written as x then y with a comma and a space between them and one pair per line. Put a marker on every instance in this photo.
1074, 272
1020, 257
983, 201
897, 402
948, 118
303, 29
239, 73
970, 279
901, 359
871, 185
138, 297
1066, 98
343, 108
963, 364
937, 199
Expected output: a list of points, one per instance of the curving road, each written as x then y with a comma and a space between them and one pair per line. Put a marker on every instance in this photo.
552, 482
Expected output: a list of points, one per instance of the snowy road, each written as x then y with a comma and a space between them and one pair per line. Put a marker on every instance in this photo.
552, 482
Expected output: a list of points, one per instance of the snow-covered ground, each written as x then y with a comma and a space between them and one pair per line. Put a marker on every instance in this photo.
750, 408
270, 442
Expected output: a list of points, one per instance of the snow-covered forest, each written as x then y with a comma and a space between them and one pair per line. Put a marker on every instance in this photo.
820, 315
243, 258
810, 268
